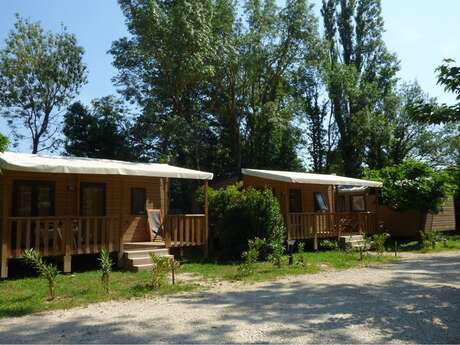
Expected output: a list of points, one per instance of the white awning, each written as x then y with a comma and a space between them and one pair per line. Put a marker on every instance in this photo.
298, 177
80, 165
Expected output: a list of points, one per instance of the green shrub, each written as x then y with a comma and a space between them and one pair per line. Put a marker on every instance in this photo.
300, 251
161, 268
47, 271
378, 242
276, 249
414, 185
328, 244
105, 264
430, 238
239, 214
250, 256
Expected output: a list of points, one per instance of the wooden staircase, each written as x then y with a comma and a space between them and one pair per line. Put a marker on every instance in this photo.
352, 241
136, 255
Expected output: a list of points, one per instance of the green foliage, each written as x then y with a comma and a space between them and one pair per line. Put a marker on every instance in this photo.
238, 214
328, 244
300, 247
430, 238
277, 250
100, 132
3, 142
40, 73
250, 257
213, 81
360, 74
430, 112
414, 185
47, 271
378, 242
162, 265
106, 264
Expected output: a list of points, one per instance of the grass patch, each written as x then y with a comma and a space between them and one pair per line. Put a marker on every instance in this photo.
28, 295
313, 262
452, 242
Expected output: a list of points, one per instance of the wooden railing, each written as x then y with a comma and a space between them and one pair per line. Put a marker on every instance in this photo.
51, 236
92, 234
183, 230
321, 225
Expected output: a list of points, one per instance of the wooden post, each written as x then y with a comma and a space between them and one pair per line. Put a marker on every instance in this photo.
120, 224
206, 229
377, 206
286, 207
167, 234
68, 245
5, 230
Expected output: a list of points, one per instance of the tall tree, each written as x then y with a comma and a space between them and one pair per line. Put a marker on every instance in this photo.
40, 73
163, 66
360, 75
102, 131
275, 43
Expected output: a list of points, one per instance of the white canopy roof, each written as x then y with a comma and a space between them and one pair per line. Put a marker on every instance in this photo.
298, 177
79, 165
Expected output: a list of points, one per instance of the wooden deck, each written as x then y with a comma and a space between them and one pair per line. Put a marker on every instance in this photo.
54, 236
314, 225
186, 230
57, 236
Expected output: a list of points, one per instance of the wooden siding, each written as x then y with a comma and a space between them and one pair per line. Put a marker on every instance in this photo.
409, 223
118, 198
281, 189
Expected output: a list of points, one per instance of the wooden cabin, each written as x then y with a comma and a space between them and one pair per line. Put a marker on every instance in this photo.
316, 205
408, 224
65, 206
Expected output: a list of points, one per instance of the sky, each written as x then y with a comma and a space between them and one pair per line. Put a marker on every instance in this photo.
421, 32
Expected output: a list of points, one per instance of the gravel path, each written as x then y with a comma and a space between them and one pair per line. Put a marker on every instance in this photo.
414, 301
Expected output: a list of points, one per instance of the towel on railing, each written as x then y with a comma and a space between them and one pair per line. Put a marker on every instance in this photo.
154, 218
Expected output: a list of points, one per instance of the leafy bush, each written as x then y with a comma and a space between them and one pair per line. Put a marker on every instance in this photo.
328, 244
106, 264
430, 238
250, 256
414, 185
161, 267
276, 253
300, 251
47, 271
239, 214
378, 242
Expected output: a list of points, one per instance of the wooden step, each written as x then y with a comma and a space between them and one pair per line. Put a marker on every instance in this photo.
132, 254
143, 245
350, 238
141, 266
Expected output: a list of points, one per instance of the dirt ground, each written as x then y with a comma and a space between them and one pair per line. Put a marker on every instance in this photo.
414, 301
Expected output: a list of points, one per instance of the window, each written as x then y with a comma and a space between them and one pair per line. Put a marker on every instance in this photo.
358, 203
341, 203
138, 201
320, 202
92, 199
33, 199
295, 200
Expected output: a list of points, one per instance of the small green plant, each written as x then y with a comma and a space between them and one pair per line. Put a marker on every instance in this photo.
105, 264
47, 271
301, 247
161, 267
328, 244
378, 242
250, 257
276, 253
430, 238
